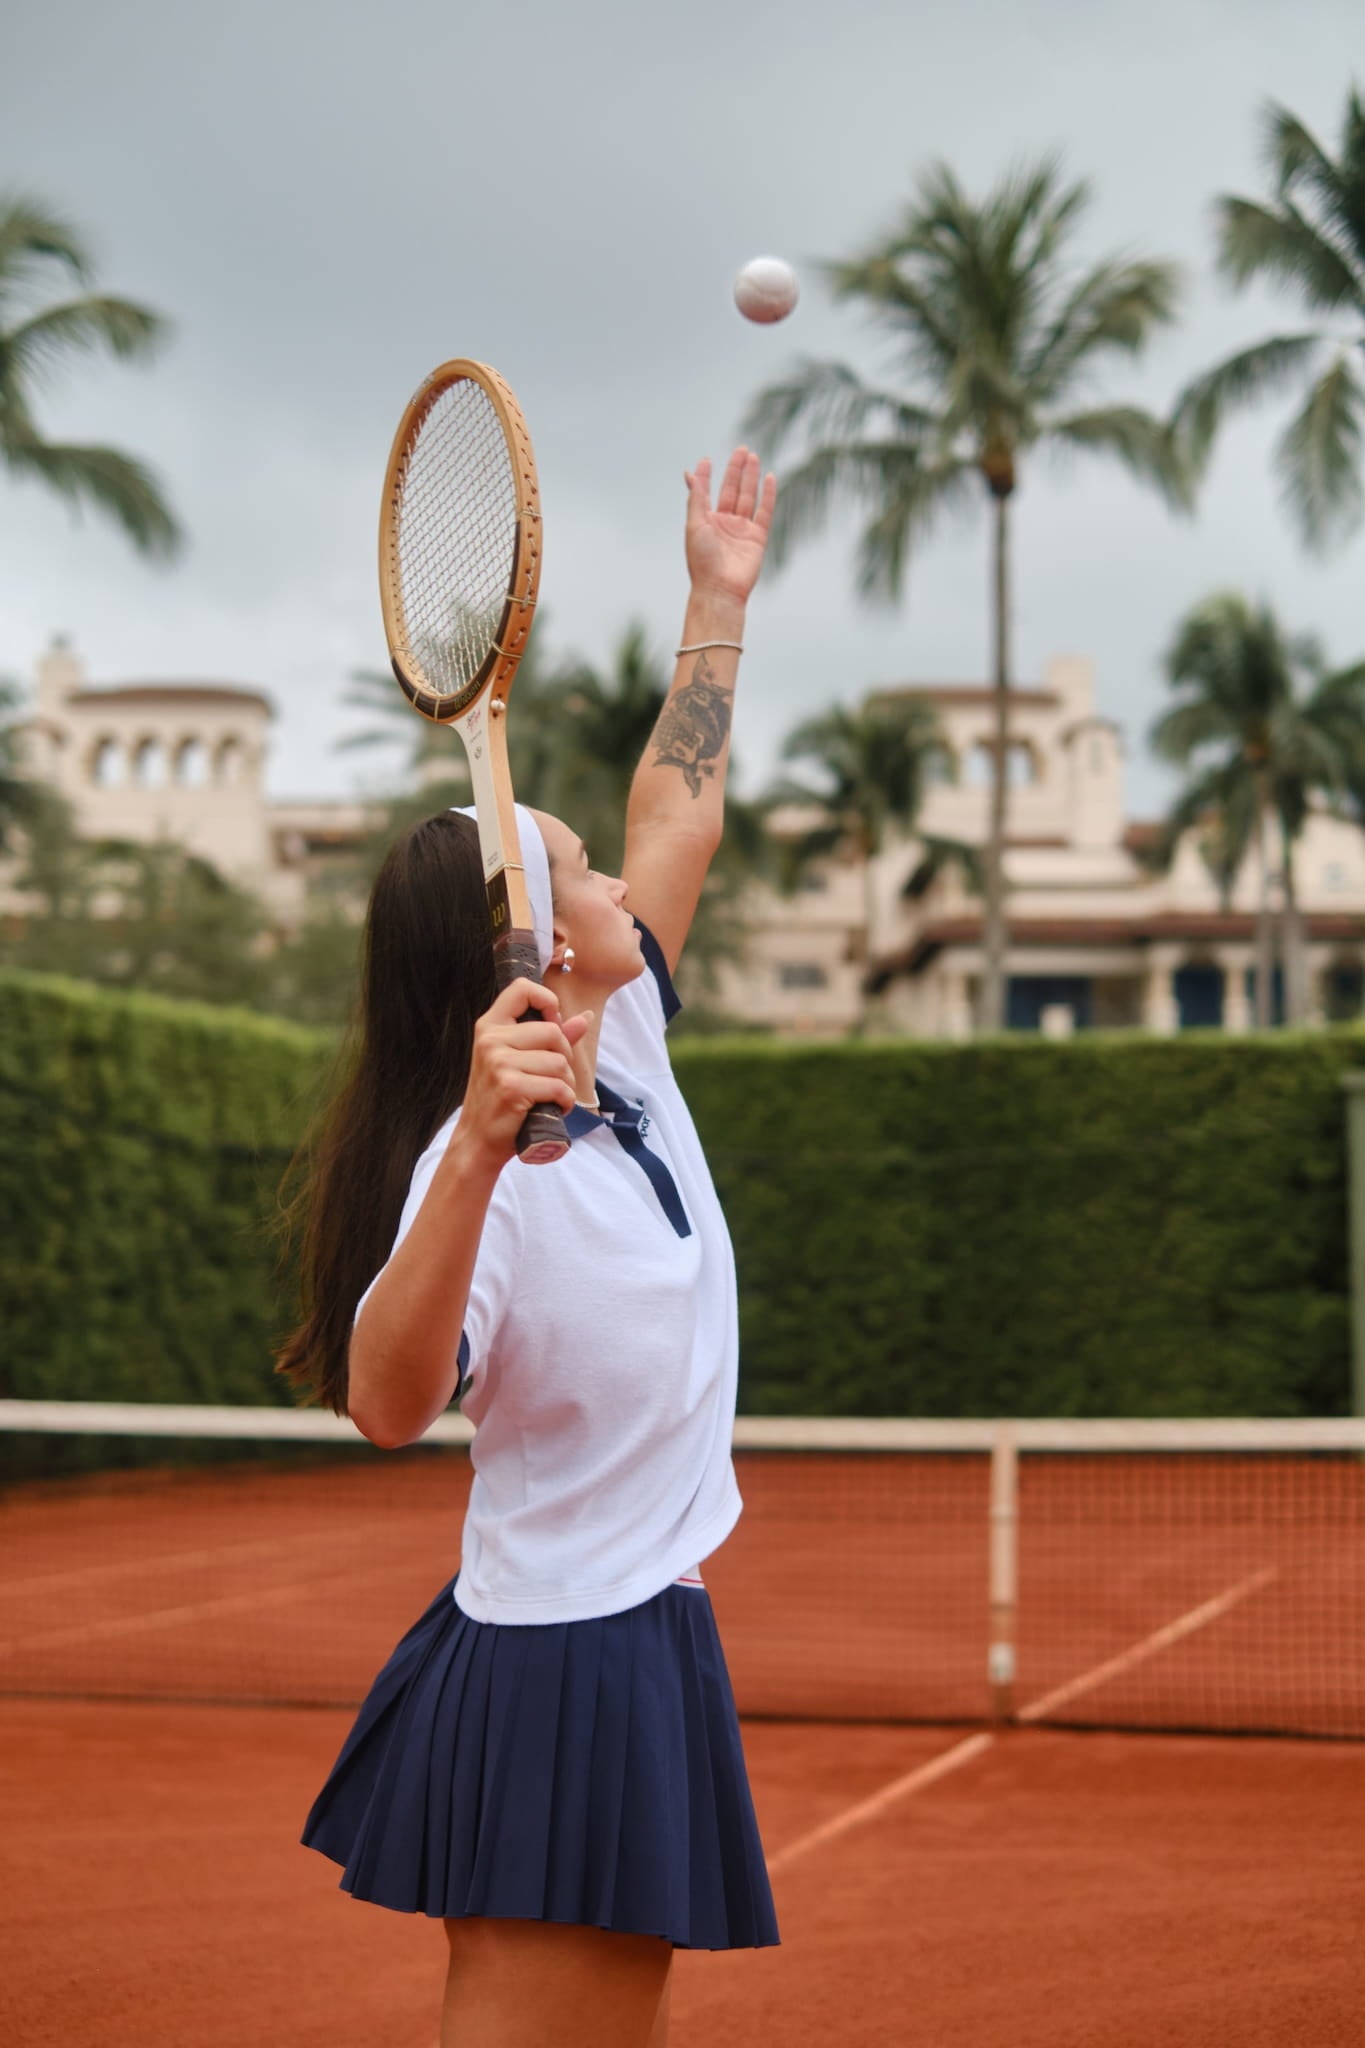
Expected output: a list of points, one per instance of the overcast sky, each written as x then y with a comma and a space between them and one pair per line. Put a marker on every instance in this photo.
329, 199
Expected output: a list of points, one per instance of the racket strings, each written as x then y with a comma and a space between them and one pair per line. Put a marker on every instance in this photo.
456, 537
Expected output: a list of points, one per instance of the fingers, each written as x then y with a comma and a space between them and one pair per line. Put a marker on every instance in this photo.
731, 484
510, 1009
744, 492
746, 484
517, 998
698, 483
514, 1075
523, 1051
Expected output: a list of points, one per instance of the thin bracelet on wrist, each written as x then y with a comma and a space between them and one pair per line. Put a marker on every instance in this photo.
698, 646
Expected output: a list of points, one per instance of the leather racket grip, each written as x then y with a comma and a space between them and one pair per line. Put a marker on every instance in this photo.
542, 1137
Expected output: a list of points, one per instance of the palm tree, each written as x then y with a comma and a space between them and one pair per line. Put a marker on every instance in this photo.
999, 337
578, 757
871, 768
21, 801
433, 756
575, 735
1311, 237
1265, 728
36, 340
606, 720
431, 753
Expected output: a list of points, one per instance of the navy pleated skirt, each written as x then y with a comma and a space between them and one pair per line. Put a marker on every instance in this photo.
588, 1772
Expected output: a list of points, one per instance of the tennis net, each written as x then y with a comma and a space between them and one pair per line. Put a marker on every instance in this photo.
1164, 1575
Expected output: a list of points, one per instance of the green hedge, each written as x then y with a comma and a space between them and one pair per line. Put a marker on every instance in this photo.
141, 1144
1111, 1226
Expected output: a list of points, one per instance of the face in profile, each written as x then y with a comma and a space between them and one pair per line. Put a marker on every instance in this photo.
590, 911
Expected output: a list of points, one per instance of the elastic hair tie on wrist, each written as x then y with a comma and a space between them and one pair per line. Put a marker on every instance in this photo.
699, 647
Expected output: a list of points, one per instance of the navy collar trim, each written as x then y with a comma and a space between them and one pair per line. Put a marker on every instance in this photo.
658, 967
628, 1124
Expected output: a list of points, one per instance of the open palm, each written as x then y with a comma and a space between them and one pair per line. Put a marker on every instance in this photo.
726, 541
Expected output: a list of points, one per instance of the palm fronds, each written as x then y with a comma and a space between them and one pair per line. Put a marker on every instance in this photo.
1309, 238
37, 342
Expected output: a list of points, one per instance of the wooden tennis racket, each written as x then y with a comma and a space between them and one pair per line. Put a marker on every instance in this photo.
459, 567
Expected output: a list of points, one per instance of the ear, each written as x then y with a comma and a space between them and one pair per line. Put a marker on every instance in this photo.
560, 940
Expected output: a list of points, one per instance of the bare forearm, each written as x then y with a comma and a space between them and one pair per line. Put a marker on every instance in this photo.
404, 1350
680, 782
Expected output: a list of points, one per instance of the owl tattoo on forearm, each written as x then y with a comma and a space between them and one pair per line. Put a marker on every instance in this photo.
693, 727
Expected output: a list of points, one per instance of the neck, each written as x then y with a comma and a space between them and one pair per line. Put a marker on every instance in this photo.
574, 997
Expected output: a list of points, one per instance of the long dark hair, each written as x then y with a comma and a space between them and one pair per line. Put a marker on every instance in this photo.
426, 979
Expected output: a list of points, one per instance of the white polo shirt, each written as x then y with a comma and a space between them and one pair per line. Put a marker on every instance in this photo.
601, 1347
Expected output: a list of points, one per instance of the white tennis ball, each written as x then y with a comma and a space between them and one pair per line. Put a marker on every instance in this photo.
766, 289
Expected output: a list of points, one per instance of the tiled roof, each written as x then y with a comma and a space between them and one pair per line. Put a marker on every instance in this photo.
1109, 930
1022, 695
171, 693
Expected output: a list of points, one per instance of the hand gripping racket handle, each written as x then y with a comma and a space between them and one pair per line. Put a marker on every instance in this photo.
542, 1138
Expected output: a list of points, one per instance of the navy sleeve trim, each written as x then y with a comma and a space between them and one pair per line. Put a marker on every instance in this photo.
466, 1379
658, 967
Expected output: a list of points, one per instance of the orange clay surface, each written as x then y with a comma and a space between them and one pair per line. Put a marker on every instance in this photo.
291, 1584
1052, 1891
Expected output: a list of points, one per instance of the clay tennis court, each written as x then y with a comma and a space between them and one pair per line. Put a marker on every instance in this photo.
938, 1880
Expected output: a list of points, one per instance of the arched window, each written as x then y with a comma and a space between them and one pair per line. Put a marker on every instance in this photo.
191, 764
228, 763
980, 769
106, 763
1022, 765
149, 764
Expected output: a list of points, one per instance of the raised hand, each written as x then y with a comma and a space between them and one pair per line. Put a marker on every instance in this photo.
725, 542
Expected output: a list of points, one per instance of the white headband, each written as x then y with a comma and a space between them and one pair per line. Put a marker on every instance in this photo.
537, 864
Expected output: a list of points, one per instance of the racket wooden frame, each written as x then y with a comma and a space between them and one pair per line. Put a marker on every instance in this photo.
478, 711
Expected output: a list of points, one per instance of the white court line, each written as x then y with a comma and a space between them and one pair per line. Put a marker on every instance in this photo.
176, 1617
976, 1745
154, 1561
1160, 1639
220, 1554
867, 1809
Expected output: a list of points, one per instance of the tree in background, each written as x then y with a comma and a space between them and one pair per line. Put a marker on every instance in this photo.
868, 771
136, 915
21, 801
1310, 238
1264, 729
604, 721
999, 338
575, 736
426, 751
38, 250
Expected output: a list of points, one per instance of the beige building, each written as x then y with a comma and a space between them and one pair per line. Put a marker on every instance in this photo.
183, 762
1095, 940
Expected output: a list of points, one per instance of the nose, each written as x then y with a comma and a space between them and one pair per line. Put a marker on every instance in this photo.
618, 891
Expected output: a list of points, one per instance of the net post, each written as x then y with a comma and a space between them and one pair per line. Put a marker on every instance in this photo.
1354, 1084
1004, 1570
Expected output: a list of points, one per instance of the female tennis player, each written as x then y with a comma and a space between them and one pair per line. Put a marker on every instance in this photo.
550, 1761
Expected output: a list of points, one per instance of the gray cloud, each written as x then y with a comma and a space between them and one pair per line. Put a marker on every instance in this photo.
329, 199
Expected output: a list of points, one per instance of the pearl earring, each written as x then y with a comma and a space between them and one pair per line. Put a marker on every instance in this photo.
569, 957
